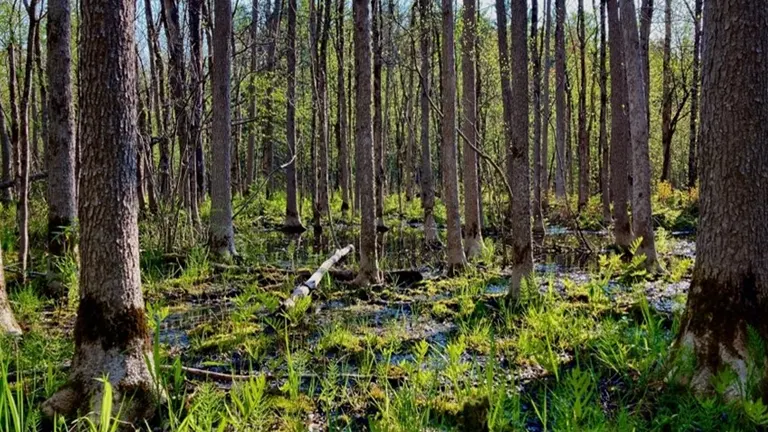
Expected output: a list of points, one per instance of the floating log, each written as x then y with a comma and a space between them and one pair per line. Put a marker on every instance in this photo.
305, 288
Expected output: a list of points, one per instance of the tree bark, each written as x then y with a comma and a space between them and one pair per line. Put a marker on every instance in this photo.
323, 112
62, 207
646, 18
6, 151
546, 115
724, 321
254, 53
364, 154
222, 238
341, 96
538, 218
455, 253
692, 136
111, 332
197, 78
621, 155
8, 324
473, 238
583, 137
605, 184
426, 178
273, 30
378, 127
666, 102
642, 225
560, 117
292, 221
522, 255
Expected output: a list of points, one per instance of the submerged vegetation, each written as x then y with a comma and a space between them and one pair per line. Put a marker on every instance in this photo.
586, 347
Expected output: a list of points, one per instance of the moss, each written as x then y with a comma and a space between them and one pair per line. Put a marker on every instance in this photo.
98, 321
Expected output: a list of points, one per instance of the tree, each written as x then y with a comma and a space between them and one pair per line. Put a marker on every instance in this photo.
111, 332
60, 152
546, 115
427, 184
642, 225
378, 127
369, 263
583, 137
455, 253
605, 186
692, 137
5, 155
621, 156
253, 32
538, 217
473, 238
196, 160
725, 314
522, 255
292, 221
646, 18
341, 117
222, 232
560, 118
8, 324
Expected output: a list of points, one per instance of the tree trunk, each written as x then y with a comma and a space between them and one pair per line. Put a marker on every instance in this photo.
273, 29
111, 332
546, 115
522, 255
724, 322
538, 219
60, 152
621, 155
254, 53
369, 264
646, 18
473, 238
6, 152
323, 112
8, 324
642, 225
378, 127
560, 117
666, 102
292, 219
455, 253
692, 137
196, 103
583, 137
605, 186
23, 144
222, 238
341, 96
157, 71
426, 178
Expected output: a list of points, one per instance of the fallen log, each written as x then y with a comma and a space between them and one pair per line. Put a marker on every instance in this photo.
305, 288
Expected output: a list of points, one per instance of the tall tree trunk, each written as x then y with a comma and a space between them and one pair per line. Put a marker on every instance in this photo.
522, 255
6, 152
13, 98
341, 117
455, 253
560, 117
504, 69
8, 324
323, 112
292, 218
621, 155
157, 70
692, 137
546, 115
646, 18
222, 238
254, 54
725, 316
426, 177
196, 79
177, 79
111, 332
273, 30
605, 186
378, 127
538, 219
666, 102
583, 136
642, 225
473, 238
60, 152
23, 144
369, 264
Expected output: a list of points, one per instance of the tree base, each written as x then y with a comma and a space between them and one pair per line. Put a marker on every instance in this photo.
473, 247
292, 225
